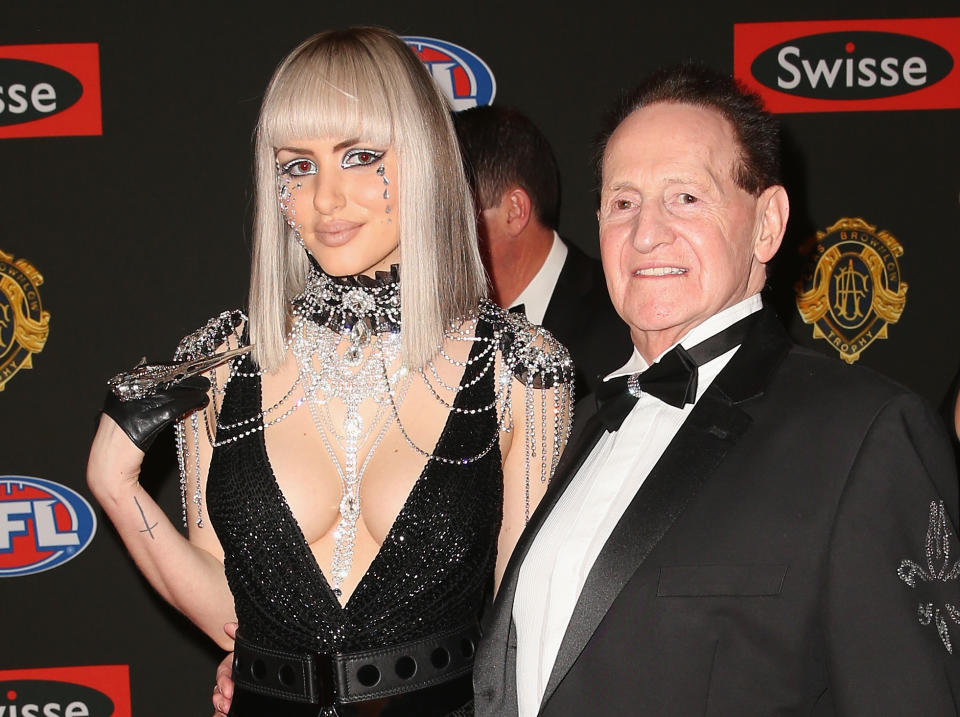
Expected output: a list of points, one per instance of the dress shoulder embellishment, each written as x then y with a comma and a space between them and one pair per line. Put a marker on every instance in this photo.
532, 356
220, 331
211, 336
531, 352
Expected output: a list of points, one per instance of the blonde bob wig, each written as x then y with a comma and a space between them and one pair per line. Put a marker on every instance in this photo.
365, 82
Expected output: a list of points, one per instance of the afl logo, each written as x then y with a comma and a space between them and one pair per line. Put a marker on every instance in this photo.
463, 77
855, 289
42, 525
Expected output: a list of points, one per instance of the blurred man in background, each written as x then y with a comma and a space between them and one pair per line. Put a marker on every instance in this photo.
516, 186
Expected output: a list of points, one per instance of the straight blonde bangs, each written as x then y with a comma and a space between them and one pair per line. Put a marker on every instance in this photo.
326, 93
366, 83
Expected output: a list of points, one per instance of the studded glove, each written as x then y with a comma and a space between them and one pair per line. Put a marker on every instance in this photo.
143, 419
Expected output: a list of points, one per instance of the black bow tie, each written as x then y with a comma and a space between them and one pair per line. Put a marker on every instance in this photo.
672, 379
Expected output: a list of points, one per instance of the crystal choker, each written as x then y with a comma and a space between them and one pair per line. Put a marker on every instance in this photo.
342, 302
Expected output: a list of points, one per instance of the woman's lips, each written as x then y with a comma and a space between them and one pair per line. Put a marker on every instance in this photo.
336, 233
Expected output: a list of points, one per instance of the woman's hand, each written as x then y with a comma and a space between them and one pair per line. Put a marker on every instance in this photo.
127, 428
142, 419
223, 689
114, 462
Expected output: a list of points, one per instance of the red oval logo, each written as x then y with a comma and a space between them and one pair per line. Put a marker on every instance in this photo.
853, 65
850, 65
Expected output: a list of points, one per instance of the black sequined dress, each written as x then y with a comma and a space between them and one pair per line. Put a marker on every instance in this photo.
433, 571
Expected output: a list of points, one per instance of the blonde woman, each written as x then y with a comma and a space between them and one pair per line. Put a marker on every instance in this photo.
355, 482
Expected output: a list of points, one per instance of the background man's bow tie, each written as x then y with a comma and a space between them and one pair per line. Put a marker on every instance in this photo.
672, 379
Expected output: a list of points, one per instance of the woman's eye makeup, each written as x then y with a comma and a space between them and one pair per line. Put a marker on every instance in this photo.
298, 167
359, 157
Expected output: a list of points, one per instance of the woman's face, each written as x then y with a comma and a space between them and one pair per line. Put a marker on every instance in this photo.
340, 194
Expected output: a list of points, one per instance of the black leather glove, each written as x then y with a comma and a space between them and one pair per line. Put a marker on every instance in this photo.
143, 419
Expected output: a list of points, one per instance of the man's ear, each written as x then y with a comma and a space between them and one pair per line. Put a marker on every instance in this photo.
774, 208
518, 207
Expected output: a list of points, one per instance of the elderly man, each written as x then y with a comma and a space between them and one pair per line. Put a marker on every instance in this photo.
516, 186
745, 527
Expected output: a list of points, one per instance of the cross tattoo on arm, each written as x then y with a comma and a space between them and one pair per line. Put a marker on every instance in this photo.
147, 527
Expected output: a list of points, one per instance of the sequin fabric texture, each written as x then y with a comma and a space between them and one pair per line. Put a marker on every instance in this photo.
435, 566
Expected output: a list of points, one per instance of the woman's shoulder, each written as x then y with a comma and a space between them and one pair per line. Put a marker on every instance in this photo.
529, 351
223, 331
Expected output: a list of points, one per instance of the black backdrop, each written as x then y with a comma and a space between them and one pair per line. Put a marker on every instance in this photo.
142, 233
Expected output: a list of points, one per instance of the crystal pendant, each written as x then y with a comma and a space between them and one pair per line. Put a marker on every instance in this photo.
353, 355
359, 334
350, 507
353, 425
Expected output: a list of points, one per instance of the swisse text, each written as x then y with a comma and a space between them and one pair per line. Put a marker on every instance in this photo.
50, 709
852, 65
42, 98
914, 71
52, 698
32, 90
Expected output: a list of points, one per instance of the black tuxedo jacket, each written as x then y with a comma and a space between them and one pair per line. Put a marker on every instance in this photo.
792, 553
948, 408
582, 318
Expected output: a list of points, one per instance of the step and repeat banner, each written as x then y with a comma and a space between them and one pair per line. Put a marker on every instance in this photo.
125, 203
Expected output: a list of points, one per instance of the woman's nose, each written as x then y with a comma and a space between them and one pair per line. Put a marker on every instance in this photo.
328, 192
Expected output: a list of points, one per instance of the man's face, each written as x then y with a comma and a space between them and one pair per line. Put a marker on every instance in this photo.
679, 239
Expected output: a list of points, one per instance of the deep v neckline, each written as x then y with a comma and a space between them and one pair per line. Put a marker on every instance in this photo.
390, 536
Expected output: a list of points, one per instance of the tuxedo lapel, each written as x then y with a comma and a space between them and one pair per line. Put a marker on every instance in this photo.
712, 429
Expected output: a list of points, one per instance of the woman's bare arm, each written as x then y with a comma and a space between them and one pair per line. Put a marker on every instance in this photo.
187, 573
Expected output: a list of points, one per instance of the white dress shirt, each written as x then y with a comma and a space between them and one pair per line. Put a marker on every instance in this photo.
563, 552
535, 296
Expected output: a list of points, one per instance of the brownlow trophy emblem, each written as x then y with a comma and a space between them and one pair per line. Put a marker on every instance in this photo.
854, 290
24, 325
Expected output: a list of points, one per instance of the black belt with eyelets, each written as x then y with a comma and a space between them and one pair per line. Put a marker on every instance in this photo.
342, 678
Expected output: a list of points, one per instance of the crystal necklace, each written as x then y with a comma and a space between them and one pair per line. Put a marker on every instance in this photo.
366, 314
357, 306
345, 336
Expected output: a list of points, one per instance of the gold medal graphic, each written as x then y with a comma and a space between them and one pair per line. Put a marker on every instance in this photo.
855, 290
24, 325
